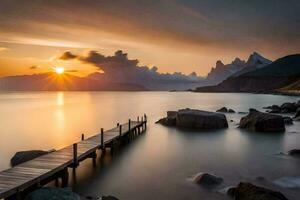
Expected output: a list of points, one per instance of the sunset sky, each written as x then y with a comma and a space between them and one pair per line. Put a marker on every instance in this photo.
174, 35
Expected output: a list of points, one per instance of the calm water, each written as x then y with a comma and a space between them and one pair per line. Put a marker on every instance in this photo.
158, 164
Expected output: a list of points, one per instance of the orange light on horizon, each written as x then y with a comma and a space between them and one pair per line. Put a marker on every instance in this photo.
59, 70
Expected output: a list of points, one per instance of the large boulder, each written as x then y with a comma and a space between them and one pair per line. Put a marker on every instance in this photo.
207, 180
288, 107
51, 193
294, 152
262, 122
195, 119
23, 156
248, 191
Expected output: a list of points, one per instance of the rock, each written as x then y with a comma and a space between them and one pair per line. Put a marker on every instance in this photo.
51, 193
199, 119
194, 119
262, 122
242, 113
297, 113
206, 179
23, 156
231, 110
226, 110
288, 107
223, 109
294, 152
288, 120
109, 198
248, 191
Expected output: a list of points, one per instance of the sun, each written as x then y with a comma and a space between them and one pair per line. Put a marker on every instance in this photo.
59, 70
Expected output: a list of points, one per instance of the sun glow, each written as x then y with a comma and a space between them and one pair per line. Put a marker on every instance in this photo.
59, 70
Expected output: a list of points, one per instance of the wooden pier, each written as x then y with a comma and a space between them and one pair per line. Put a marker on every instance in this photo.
17, 181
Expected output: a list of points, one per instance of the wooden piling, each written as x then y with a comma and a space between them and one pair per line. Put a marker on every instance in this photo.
75, 159
102, 140
82, 137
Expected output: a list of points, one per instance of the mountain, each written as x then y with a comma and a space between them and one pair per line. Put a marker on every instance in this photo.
65, 82
235, 68
221, 71
254, 62
279, 74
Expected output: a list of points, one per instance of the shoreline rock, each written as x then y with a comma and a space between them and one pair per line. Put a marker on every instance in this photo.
194, 119
262, 122
52, 193
225, 110
207, 180
248, 191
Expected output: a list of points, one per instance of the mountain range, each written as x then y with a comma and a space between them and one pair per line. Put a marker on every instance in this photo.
282, 75
237, 67
53, 82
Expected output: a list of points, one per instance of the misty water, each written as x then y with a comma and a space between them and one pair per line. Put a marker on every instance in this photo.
160, 163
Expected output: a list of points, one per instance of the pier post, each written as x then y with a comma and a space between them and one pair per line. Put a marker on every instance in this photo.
120, 131
138, 118
145, 116
65, 178
102, 140
82, 137
75, 159
118, 124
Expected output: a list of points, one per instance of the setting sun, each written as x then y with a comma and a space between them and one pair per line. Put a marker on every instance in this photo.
59, 70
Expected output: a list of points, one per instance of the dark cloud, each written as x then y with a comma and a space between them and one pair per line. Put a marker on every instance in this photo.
119, 68
33, 67
67, 55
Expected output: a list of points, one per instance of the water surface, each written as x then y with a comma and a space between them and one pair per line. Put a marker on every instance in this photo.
160, 163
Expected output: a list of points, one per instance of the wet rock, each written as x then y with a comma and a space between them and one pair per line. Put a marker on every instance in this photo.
288, 120
195, 119
288, 107
297, 113
294, 152
226, 110
262, 122
51, 193
231, 110
248, 191
242, 113
109, 198
206, 179
23, 156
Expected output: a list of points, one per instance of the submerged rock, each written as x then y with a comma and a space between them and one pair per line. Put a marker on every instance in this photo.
109, 198
51, 193
226, 110
288, 107
206, 179
195, 119
288, 120
23, 156
294, 152
262, 122
248, 191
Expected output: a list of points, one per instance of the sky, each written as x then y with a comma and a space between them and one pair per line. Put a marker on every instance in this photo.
172, 35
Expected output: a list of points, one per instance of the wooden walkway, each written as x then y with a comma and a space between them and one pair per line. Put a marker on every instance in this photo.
40, 171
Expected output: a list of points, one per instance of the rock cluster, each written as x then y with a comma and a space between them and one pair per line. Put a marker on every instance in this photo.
262, 122
284, 108
194, 119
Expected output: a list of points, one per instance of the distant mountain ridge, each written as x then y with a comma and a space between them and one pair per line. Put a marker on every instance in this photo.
279, 74
67, 82
235, 68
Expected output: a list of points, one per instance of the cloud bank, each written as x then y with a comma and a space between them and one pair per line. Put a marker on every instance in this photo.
119, 68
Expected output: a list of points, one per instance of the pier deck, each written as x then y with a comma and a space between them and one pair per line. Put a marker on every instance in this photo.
46, 168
